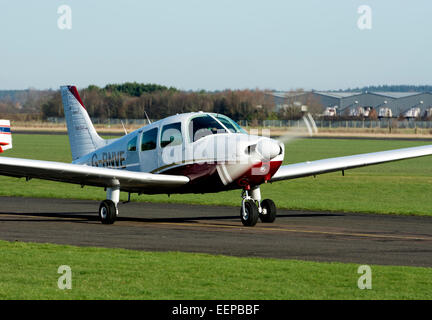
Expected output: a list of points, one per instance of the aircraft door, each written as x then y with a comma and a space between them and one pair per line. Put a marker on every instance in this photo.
171, 146
132, 155
149, 156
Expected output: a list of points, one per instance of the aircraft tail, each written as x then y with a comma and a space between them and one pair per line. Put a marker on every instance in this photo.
83, 137
5, 135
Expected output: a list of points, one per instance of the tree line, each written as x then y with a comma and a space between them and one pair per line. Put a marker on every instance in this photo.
134, 101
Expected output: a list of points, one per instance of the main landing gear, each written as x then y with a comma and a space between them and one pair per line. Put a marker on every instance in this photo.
253, 208
108, 210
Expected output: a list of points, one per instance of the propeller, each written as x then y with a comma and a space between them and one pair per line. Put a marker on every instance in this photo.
307, 127
266, 149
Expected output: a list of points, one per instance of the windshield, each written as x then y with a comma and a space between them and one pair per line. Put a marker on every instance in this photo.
231, 125
202, 126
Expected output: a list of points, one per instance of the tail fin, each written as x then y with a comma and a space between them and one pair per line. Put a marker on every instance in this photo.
5, 135
83, 137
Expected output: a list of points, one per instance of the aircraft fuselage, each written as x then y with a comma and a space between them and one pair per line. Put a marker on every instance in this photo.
214, 159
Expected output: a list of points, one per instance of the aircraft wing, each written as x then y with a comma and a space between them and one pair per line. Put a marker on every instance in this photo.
312, 168
87, 175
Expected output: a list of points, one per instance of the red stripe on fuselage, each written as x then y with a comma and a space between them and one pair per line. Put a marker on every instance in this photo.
204, 177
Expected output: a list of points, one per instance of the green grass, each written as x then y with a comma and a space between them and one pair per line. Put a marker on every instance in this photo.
29, 271
401, 187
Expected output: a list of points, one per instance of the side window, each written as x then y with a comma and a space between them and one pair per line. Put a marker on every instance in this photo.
171, 135
131, 146
149, 138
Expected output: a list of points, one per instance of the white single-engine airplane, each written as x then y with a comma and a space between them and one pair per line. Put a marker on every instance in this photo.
185, 153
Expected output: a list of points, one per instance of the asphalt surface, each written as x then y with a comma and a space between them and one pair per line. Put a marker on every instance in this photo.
315, 236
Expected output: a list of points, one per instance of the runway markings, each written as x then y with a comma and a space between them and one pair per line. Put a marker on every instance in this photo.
331, 233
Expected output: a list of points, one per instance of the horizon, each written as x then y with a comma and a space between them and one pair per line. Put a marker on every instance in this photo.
357, 89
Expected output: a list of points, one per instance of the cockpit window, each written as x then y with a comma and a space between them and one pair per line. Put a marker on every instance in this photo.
231, 125
202, 126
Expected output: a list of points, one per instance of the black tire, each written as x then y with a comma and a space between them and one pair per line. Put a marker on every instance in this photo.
250, 217
268, 214
107, 212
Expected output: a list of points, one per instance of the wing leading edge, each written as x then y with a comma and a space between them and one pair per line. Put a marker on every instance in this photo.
92, 176
311, 168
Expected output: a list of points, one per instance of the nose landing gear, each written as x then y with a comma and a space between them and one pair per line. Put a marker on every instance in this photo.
253, 208
249, 211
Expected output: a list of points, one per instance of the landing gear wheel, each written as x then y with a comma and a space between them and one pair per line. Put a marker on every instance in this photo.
268, 211
249, 217
107, 212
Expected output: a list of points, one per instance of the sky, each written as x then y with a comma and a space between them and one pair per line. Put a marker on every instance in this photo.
215, 45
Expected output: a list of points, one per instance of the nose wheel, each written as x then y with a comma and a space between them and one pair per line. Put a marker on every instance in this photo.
253, 209
249, 213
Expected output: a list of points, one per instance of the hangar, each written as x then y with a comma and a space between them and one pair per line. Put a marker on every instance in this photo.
365, 104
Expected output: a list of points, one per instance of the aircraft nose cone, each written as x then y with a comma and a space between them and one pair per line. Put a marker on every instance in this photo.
268, 148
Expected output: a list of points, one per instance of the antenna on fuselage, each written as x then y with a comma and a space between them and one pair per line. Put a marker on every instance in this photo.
123, 127
147, 117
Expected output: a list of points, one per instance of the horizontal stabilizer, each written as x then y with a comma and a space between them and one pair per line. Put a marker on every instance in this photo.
5, 135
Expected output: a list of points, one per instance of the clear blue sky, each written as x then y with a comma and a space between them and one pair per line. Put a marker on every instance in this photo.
203, 44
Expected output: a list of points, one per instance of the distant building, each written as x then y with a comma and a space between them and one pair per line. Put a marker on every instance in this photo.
385, 104
330, 111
